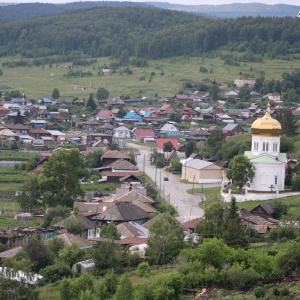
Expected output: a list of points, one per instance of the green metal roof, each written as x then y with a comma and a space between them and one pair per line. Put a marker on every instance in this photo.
266, 158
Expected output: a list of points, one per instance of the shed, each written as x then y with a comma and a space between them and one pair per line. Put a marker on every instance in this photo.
82, 267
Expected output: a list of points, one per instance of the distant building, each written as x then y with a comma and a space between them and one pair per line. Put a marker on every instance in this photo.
244, 81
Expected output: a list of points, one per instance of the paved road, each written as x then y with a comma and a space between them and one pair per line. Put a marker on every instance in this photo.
173, 190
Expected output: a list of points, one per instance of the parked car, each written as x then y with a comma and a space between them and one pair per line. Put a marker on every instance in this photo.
138, 153
166, 178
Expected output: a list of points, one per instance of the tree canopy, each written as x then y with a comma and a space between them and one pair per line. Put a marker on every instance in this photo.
59, 180
241, 170
165, 240
102, 93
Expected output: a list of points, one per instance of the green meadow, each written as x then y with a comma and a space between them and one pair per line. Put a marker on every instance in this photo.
168, 76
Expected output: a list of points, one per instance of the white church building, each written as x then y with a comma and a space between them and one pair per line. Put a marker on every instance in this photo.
269, 163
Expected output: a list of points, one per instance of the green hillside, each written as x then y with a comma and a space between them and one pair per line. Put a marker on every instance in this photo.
149, 33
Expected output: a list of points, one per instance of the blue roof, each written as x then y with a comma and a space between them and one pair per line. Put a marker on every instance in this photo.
47, 100
132, 115
148, 113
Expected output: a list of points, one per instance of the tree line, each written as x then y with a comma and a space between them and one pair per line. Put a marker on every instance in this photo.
147, 32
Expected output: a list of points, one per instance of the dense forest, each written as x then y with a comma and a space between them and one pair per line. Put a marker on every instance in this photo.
147, 32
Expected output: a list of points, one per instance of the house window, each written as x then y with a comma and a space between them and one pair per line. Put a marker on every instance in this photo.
276, 179
251, 180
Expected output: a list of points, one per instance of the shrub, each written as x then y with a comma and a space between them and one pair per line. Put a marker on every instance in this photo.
259, 292
143, 269
56, 272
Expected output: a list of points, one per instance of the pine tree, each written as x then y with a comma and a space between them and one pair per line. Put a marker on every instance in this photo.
91, 103
234, 234
18, 119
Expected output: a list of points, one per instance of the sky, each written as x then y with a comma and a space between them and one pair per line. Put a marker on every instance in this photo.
186, 2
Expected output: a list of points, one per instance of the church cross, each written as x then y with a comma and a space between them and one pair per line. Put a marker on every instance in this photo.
271, 187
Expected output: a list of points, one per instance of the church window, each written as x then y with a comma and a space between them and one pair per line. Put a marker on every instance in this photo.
264, 146
256, 146
275, 147
267, 146
276, 179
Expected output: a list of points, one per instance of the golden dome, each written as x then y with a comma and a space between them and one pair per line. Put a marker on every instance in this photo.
266, 125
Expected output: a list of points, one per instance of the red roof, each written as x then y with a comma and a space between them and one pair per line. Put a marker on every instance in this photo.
165, 107
40, 130
133, 241
161, 141
142, 133
103, 113
191, 224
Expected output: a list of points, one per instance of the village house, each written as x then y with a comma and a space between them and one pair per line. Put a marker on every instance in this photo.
122, 132
198, 135
90, 125
161, 141
133, 116
258, 222
6, 134
44, 114
169, 130
39, 133
233, 129
59, 119
183, 98
244, 81
116, 101
57, 135
18, 128
4, 111
166, 110
202, 171
143, 135
90, 229
124, 212
111, 156
120, 165
273, 97
80, 102
104, 115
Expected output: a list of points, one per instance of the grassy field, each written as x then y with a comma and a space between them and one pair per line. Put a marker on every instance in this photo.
211, 195
15, 155
292, 201
39, 82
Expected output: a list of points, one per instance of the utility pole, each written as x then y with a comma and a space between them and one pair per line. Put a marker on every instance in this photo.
193, 183
144, 163
155, 174
160, 185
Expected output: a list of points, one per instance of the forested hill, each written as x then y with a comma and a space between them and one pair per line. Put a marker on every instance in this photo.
147, 32
235, 10
25, 11
32, 10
